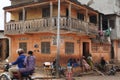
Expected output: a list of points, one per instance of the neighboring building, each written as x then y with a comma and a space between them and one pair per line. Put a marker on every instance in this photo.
4, 46
111, 18
103, 6
33, 26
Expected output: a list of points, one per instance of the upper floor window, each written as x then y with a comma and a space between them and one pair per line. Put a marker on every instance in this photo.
69, 47
118, 44
80, 16
45, 47
23, 45
93, 19
46, 12
20, 15
112, 23
67, 12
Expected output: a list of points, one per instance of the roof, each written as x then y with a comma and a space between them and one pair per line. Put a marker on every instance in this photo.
1, 30
23, 4
29, 3
114, 14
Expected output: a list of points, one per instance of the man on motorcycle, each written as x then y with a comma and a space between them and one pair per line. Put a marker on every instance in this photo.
19, 62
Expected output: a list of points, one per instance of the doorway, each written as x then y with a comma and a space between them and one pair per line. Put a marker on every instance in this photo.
85, 48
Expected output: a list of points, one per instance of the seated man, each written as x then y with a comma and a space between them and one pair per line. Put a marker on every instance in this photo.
29, 64
103, 63
19, 61
61, 70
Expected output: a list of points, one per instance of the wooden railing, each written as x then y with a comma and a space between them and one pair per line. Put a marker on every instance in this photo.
46, 24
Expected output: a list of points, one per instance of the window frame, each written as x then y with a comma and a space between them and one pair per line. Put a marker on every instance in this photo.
46, 12
23, 45
45, 47
69, 47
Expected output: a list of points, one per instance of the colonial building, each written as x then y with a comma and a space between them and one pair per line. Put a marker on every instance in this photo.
33, 26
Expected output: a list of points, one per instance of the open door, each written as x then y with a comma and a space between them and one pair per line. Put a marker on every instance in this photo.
85, 49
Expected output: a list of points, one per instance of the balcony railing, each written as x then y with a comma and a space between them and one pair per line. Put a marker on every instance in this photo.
47, 24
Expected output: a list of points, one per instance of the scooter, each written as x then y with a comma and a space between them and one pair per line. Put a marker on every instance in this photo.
6, 76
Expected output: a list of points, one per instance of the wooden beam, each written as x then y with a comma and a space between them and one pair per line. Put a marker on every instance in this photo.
26, 6
75, 4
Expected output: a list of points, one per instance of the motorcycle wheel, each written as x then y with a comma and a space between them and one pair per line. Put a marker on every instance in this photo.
4, 77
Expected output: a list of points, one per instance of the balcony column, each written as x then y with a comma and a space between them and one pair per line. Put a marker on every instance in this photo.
24, 14
5, 17
86, 16
87, 20
51, 11
69, 15
23, 18
97, 19
5, 20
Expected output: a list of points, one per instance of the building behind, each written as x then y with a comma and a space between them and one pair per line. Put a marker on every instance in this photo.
111, 19
4, 46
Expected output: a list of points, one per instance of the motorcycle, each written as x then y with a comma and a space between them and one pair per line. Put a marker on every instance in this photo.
6, 76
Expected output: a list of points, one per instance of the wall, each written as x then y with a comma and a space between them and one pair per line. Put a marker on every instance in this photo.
36, 12
104, 6
33, 39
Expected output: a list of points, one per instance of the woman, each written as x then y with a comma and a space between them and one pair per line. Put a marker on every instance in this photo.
85, 64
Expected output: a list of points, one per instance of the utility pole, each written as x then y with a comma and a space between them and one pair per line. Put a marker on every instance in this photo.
58, 40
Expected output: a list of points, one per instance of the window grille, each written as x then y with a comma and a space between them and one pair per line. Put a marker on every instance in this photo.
45, 47
23, 45
46, 12
69, 47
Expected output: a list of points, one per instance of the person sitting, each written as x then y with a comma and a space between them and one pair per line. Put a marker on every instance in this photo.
90, 61
60, 69
19, 62
103, 64
75, 64
85, 65
29, 63
78, 62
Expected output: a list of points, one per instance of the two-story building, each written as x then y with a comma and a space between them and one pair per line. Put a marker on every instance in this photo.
33, 26
111, 19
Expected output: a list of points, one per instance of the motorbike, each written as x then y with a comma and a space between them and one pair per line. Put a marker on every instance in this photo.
6, 76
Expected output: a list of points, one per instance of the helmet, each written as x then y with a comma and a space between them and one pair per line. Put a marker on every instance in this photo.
20, 51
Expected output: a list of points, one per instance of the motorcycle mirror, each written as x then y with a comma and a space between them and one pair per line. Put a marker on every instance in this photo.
7, 60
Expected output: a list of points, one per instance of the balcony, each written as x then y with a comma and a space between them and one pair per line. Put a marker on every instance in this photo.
47, 24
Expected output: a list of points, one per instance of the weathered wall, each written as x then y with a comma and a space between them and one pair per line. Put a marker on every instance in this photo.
104, 6
40, 57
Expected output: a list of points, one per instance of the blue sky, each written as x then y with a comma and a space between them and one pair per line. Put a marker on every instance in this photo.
3, 3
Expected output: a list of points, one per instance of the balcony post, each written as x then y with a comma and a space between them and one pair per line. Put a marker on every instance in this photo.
87, 20
24, 14
51, 11
5, 20
97, 19
23, 19
69, 8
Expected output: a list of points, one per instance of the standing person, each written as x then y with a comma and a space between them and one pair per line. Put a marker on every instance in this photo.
70, 65
19, 62
29, 63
